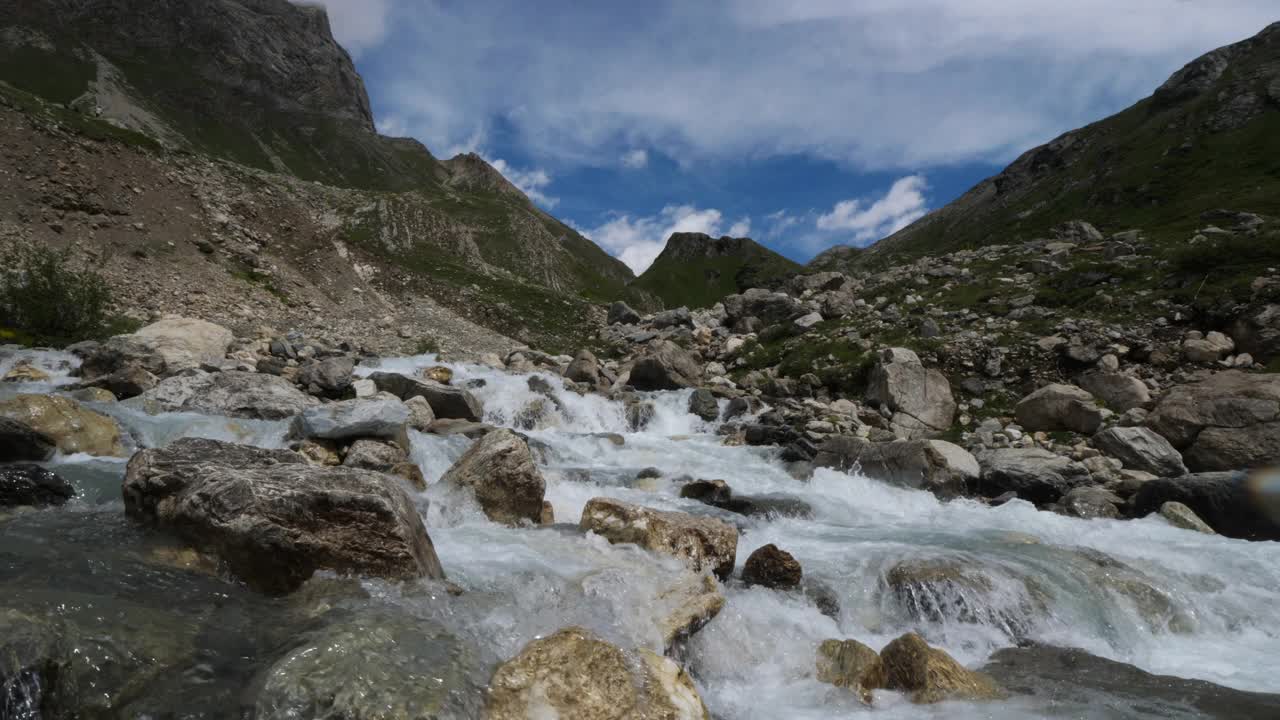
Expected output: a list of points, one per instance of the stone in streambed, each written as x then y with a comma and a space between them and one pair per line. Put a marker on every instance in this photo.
703, 543
929, 675
500, 470
850, 664
772, 567
73, 428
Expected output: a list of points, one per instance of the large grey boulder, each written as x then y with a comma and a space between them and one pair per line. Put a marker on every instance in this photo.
621, 313
1229, 421
918, 398
447, 401
1227, 501
233, 393
19, 442
769, 306
273, 518
585, 368
1036, 475
1142, 449
328, 377
676, 317
703, 543
1258, 332
166, 347
500, 470
380, 417
943, 468
1060, 407
1120, 392
665, 366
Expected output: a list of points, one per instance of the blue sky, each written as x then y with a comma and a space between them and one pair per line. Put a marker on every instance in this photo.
800, 124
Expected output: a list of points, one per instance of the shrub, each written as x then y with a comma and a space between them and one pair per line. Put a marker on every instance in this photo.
426, 345
43, 295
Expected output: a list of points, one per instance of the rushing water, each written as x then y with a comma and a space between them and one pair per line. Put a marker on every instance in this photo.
1167, 600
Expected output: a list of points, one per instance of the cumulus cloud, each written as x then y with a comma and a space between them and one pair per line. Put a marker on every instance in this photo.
357, 24
532, 182
742, 228
635, 159
637, 241
902, 205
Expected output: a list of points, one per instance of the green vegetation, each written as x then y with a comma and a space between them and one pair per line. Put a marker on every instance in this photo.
426, 345
58, 77
700, 276
48, 301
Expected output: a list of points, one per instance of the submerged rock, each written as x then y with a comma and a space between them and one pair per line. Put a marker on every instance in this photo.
574, 674
772, 567
703, 543
233, 393
929, 675
501, 472
447, 401
943, 468
32, 485
690, 604
72, 427
274, 518
20, 443
850, 664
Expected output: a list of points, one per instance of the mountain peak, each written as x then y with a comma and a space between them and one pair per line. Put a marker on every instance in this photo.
697, 270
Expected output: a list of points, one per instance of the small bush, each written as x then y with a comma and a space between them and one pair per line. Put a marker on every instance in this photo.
426, 345
44, 296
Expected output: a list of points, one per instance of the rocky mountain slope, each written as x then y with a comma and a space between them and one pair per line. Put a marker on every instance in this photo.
697, 270
261, 88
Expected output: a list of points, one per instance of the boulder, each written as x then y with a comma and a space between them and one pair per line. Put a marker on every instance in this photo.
919, 398
1059, 407
704, 404
447, 402
574, 674
380, 417
703, 543
585, 368
621, 313
330, 377
24, 371
945, 469
233, 393
769, 307
686, 606
501, 472
1120, 392
1142, 449
1258, 332
421, 416
1207, 349
20, 443
941, 590
677, 317
28, 484
72, 427
665, 366
130, 380
164, 348
1229, 421
929, 675
369, 454
273, 518
1090, 503
850, 664
437, 373
1180, 515
772, 567
1036, 475
1229, 502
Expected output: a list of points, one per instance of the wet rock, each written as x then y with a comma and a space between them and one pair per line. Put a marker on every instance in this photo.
929, 675
1229, 421
273, 518
1142, 449
131, 380
850, 664
1090, 503
941, 591
687, 606
665, 366
421, 416
232, 393
740, 406
330, 377
24, 372
437, 373
501, 472
1229, 502
373, 418
465, 428
1120, 392
574, 674
711, 492
941, 467
918, 398
772, 567
371, 454
704, 404
31, 485
1153, 604
447, 402
1083, 685
1036, 475
92, 395
72, 427
1059, 407
703, 543
621, 313
20, 443
639, 414
1180, 515
585, 368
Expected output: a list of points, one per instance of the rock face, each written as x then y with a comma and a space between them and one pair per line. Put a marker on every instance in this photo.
20, 443
71, 427
373, 418
574, 674
500, 470
850, 664
919, 398
32, 485
1036, 475
273, 518
1060, 407
1227, 501
665, 366
703, 543
929, 675
1230, 421
1142, 449
447, 402
772, 567
938, 466
163, 348
233, 393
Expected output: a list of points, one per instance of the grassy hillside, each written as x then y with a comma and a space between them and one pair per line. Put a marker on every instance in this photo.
697, 270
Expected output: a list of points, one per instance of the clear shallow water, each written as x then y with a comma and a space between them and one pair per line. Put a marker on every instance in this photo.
1141, 592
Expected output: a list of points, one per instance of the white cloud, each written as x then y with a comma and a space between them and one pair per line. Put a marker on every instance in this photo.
635, 159
531, 182
357, 24
742, 228
637, 241
902, 205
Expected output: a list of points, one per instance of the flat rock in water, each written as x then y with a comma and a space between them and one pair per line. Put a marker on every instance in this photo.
374, 417
447, 401
232, 393
32, 485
